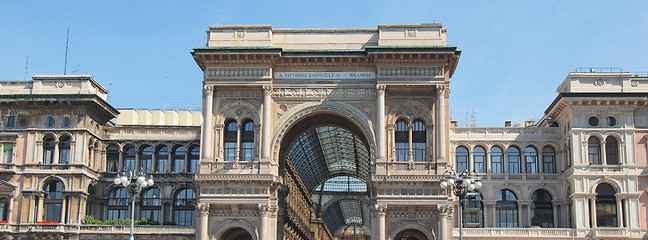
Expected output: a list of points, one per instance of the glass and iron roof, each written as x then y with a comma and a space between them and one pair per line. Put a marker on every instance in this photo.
333, 164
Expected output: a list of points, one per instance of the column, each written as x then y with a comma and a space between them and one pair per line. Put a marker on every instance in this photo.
378, 228
519, 208
556, 207
203, 233
380, 127
620, 213
593, 212
442, 91
207, 133
266, 127
445, 228
489, 213
220, 148
239, 129
263, 225
410, 148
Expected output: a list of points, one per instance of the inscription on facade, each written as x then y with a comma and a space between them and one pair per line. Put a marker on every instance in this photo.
324, 75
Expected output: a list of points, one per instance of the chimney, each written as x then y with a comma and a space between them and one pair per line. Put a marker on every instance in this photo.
507, 124
529, 123
453, 123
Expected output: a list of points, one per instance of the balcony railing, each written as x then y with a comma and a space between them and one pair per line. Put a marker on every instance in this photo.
48, 230
410, 168
549, 233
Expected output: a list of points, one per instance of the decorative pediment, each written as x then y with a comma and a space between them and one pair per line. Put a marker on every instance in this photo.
6, 188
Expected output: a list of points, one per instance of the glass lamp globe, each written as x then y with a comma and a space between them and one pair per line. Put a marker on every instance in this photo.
478, 185
451, 182
141, 179
124, 180
466, 182
150, 182
471, 187
443, 184
117, 181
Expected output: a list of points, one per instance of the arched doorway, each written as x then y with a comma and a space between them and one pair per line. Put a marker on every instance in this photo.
410, 234
236, 234
325, 164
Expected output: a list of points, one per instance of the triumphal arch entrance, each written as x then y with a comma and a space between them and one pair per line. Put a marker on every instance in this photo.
324, 133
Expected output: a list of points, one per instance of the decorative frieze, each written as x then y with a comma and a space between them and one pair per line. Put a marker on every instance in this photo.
238, 73
410, 72
322, 92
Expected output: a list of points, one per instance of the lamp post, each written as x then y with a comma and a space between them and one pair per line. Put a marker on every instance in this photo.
460, 184
134, 182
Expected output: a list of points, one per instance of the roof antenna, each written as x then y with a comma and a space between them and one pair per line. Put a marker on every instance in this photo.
26, 65
67, 40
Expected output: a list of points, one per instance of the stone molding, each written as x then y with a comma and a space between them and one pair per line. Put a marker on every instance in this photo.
410, 72
379, 210
322, 92
237, 73
203, 208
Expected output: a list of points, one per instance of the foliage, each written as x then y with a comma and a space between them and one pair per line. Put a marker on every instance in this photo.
91, 220
147, 221
170, 223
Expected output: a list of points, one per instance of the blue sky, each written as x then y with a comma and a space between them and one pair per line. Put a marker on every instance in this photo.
515, 53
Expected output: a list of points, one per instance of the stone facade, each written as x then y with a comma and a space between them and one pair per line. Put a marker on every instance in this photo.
323, 134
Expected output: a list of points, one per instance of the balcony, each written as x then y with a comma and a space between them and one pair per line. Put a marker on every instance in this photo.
549, 233
410, 168
92, 231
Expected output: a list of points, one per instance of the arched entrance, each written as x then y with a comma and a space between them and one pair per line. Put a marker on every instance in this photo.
410, 234
236, 234
325, 164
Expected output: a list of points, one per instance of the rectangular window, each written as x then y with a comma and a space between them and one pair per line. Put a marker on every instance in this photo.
163, 164
496, 162
246, 151
7, 152
193, 165
230, 151
480, 163
53, 212
48, 156
531, 163
129, 164
65, 156
178, 165
146, 164
402, 150
419, 151
11, 122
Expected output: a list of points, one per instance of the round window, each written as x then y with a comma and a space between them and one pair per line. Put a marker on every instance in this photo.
50, 121
66, 122
611, 121
593, 121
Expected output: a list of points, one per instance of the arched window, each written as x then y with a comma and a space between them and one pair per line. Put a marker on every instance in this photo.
4, 209
462, 159
594, 150
129, 158
48, 150
231, 130
606, 207
53, 202
236, 234
531, 160
402, 141
513, 159
118, 204
112, 158
548, 159
194, 159
64, 149
497, 160
184, 207
479, 159
247, 141
410, 234
611, 151
473, 210
146, 158
418, 141
506, 211
542, 209
152, 205
179, 159
162, 158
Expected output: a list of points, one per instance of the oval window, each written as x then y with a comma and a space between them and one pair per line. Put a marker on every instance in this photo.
593, 121
50, 121
66, 122
611, 121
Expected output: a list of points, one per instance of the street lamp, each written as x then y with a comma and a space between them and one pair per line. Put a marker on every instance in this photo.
134, 183
460, 184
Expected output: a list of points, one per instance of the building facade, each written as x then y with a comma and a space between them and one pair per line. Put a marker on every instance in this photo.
323, 134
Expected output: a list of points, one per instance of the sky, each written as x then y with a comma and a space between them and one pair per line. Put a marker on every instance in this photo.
514, 53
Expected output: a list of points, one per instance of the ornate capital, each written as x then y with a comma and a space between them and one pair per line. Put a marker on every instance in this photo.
446, 92
380, 89
445, 210
379, 210
208, 90
267, 89
268, 211
203, 208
